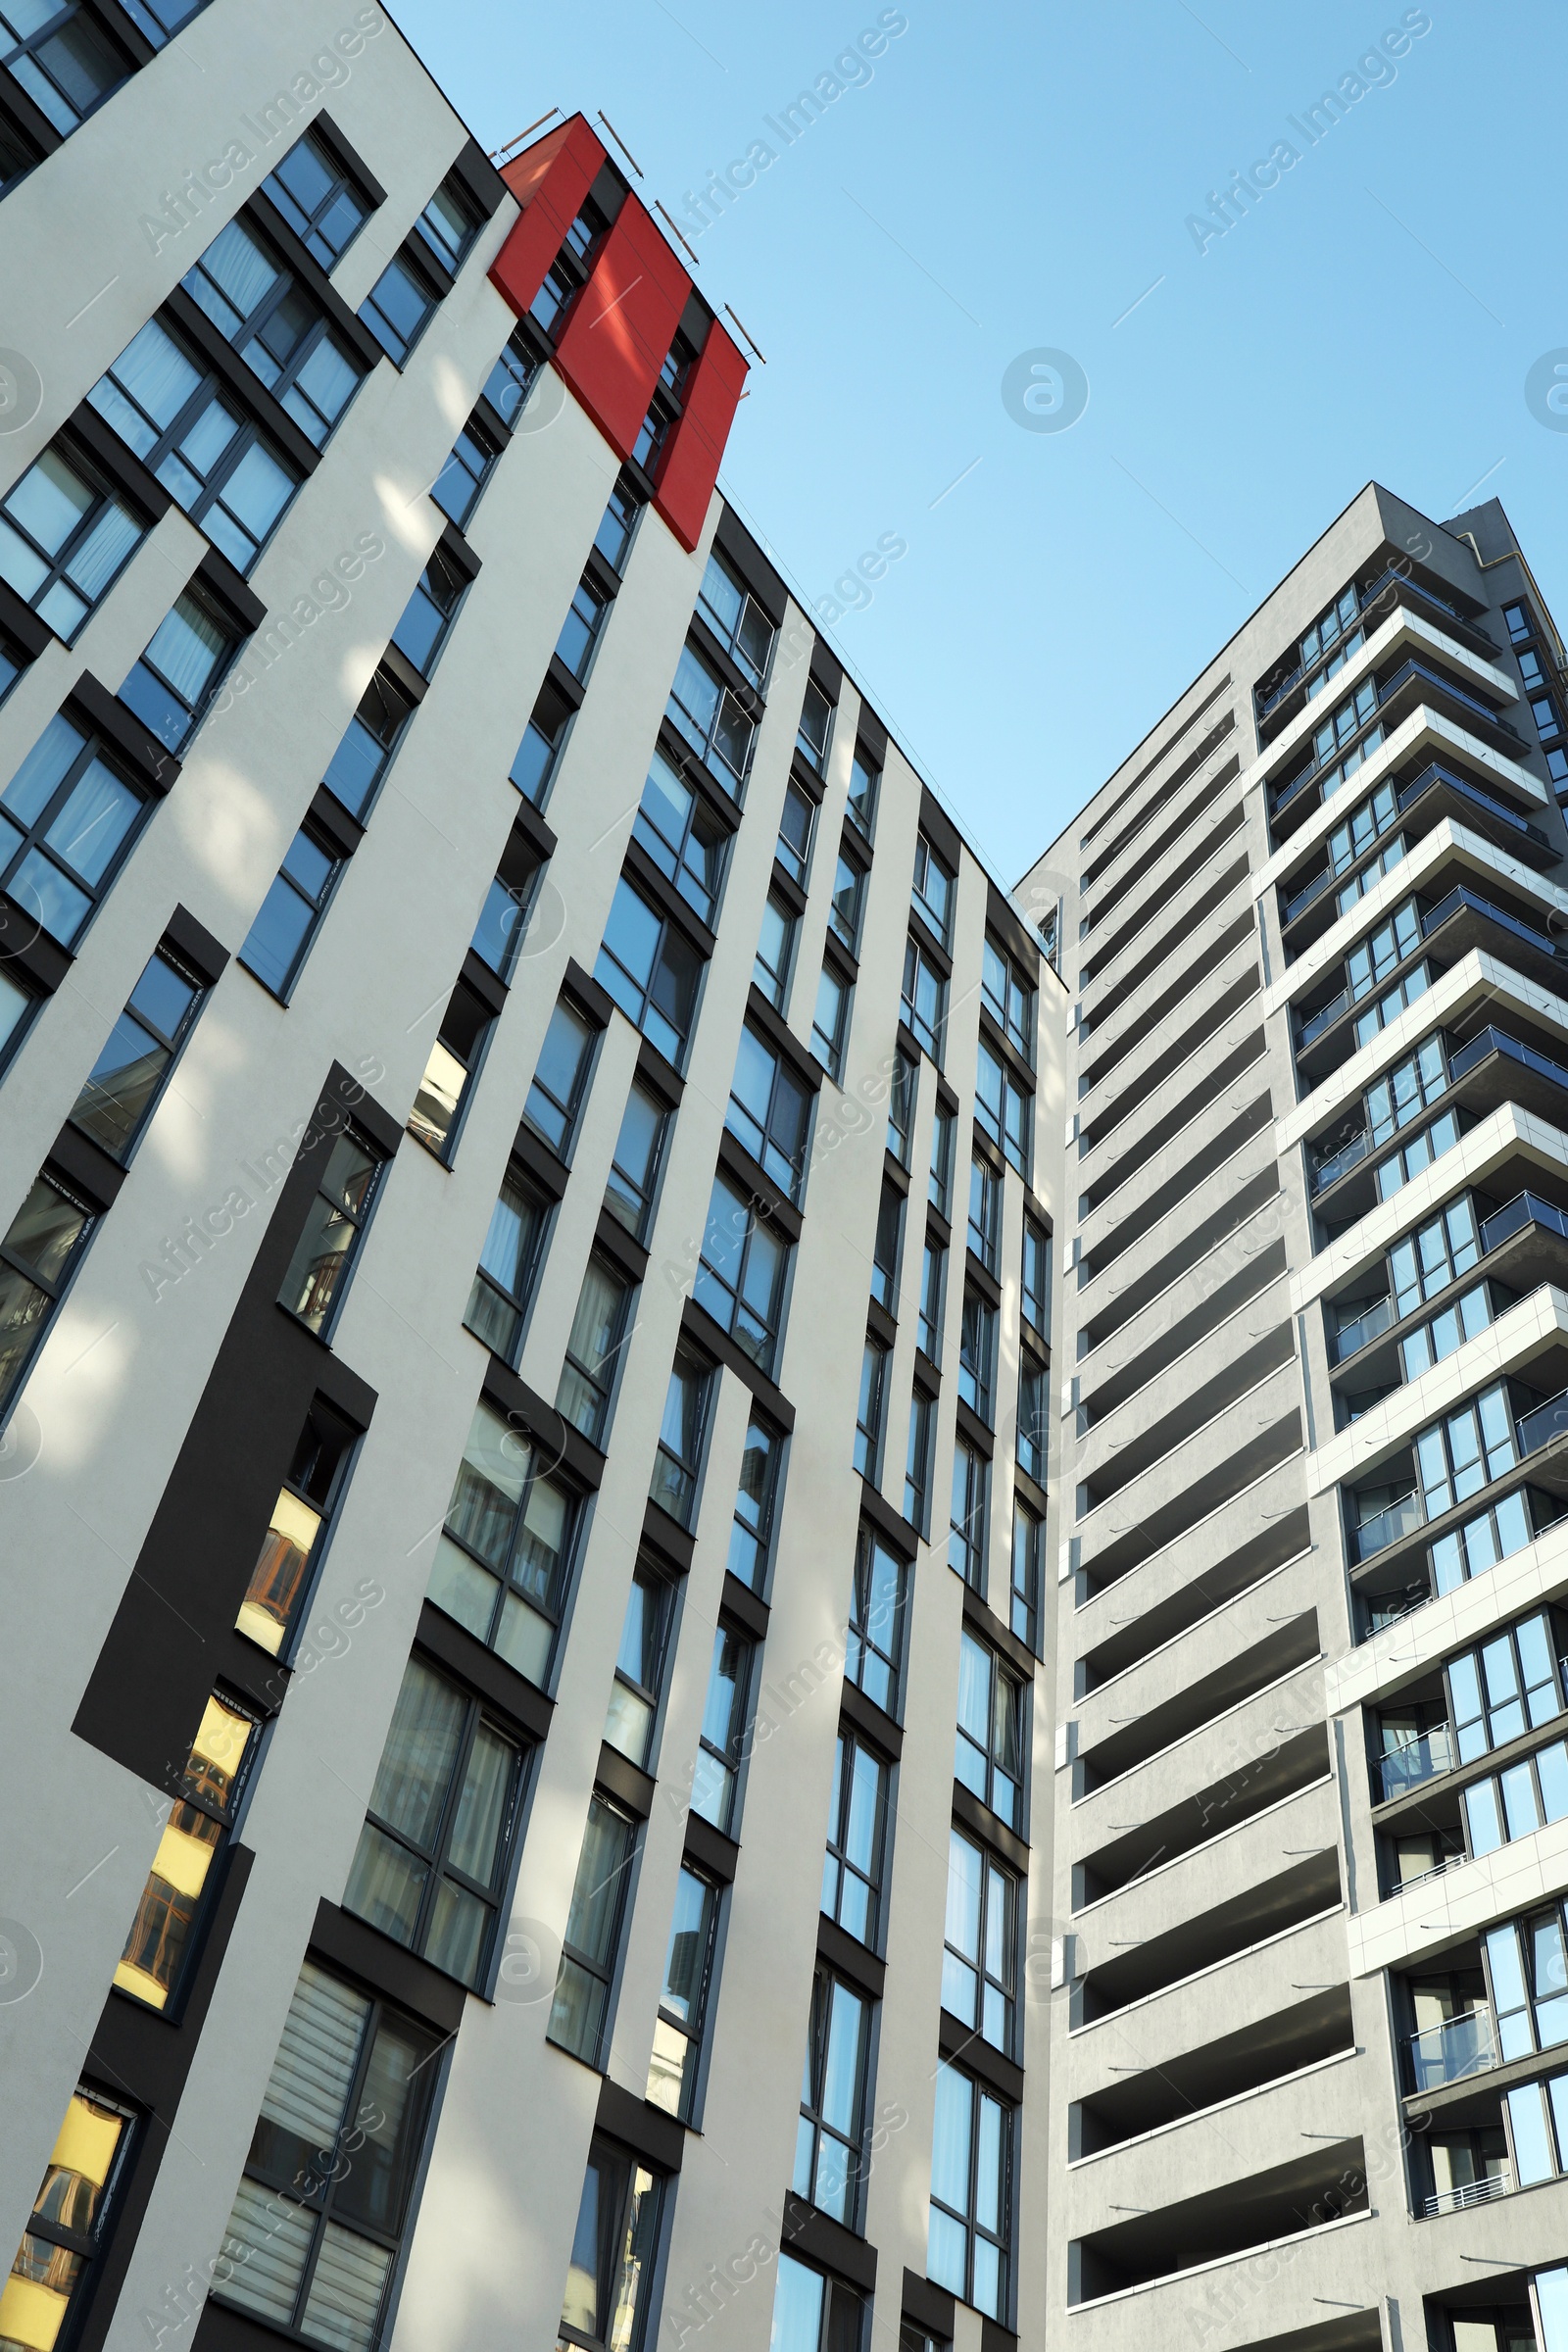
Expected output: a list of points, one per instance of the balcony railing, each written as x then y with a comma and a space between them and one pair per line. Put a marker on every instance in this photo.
1443, 684
1400, 1518
1497, 1040
1329, 1171
1525, 1208
1544, 1422
1474, 2192
1416, 1760
1352, 1338
1542, 941
1438, 773
1461, 2046
1324, 1018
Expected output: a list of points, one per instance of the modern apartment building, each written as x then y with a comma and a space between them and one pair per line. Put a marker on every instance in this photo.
527, 1153
1309, 2083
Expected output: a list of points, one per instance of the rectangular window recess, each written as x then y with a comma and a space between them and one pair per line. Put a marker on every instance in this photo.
103, 714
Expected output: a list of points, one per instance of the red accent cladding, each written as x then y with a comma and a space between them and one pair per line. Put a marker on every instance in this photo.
550, 180
696, 446
621, 325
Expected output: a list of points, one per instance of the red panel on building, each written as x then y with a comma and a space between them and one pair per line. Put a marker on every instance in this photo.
550, 180
621, 325
696, 446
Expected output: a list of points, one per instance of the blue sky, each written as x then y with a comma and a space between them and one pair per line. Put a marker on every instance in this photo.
1014, 180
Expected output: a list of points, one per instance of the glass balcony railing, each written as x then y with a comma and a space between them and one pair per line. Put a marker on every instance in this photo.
1541, 941
1461, 2046
1376, 1534
1471, 2192
1525, 1208
1416, 1760
1352, 1338
1544, 1422
1497, 1040
1441, 683
1329, 1171
1324, 1018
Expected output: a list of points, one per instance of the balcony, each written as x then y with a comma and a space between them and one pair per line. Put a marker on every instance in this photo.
1461, 2046
1544, 1423
1402, 1518
1474, 2192
1416, 1760
1525, 1208
1352, 1338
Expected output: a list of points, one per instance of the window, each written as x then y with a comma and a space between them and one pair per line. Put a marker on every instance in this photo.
902, 1084
1003, 1109
569, 270
215, 464
917, 1464
925, 1000
320, 2211
683, 838
17, 1007
989, 1758
866, 782
39, 1251
398, 309
52, 2274
794, 830
683, 1998
17, 156
616, 525
816, 724
1528, 1967
774, 951
579, 2011
870, 1413
1465, 1452
498, 933
116, 1099
1518, 1801
610, 2276
966, 1532
451, 1071
1009, 998
11, 665
274, 946
651, 972
373, 734
1034, 1432
508, 1262
857, 1833
1518, 620
885, 1247
933, 1265
276, 327
60, 59
750, 1536
980, 1959
430, 611
831, 2130
1035, 1286
736, 620
432, 1853
325, 1253
740, 1275
561, 1078
849, 893
505, 1552
977, 1356
678, 1461
1494, 1533
68, 820
448, 226
318, 200
195, 1834
177, 677
874, 1647
830, 1022
64, 542
511, 380
1028, 1546
971, 2193
812, 2313
275, 1598
634, 1170
1506, 1686
634, 1693
769, 1111
933, 889
715, 1774
712, 721
541, 743
598, 1328
941, 1183
579, 631
475, 455
985, 1215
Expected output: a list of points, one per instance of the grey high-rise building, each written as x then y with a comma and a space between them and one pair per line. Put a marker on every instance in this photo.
1309, 2058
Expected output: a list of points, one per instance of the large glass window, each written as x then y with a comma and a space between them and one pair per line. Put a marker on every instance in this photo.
398, 309
634, 1170
856, 1834
683, 1997
323, 1256
1009, 998
316, 198
1003, 1109
319, 2215
678, 1461
593, 1349
610, 2276
985, 1215
865, 779
967, 1531
475, 455
448, 226
194, 1836
741, 1273
579, 631
39, 1251
874, 1644
903, 1081
118, 1094
968, 2250
715, 1780
505, 1552
68, 820
432, 1853
503, 922
212, 460
288, 917
444, 1092
989, 1754
684, 840
1028, 1555
918, 1461
171, 685
511, 378
370, 740
651, 972
750, 1536
871, 1410
815, 727
427, 616
849, 895
830, 1022
635, 1693
933, 1265
54, 2269
1034, 1285
925, 1000
1527, 1964
886, 1249
1465, 1451
276, 327
774, 951
711, 720
943, 1126
64, 542
812, 2313
1506, 1686
736, 620
281, 1581
796, 828
977, 1354
933, 889
770, 1111
561, 1078
580, 2009
1034, 1433
508, 1262
617, 523
59, 56
828, 2144
980, 1955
